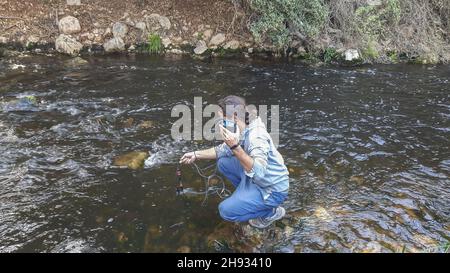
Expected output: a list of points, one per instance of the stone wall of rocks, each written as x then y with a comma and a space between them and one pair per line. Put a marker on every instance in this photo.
127, 34
76, 33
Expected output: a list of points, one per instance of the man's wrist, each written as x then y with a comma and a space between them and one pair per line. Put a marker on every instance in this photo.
233, 147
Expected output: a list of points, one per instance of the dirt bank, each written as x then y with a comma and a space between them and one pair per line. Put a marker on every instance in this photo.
198, 27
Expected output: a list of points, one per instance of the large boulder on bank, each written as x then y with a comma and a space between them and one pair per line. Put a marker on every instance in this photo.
200, 47
207, 34
217, 39
73, 2
156, 22
114, 45
67, 45
119, 30
69, 25
351, 55
133, 160
166, 42
141, 26
374, 2
233, 45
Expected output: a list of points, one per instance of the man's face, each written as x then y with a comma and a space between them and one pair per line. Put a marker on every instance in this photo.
226, 122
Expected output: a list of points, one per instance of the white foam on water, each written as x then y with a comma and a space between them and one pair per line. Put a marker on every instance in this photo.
164, 150
8, 136
74, 246
17, 66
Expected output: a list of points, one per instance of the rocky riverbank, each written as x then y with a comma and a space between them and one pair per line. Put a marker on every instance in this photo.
198, 28
77, 27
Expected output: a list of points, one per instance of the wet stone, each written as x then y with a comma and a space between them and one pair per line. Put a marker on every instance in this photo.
76, 62
128, 123
184, 249
119, 30
68, 45
114, 45
69, 25
24, 104
147, 124
133, 160
243, 238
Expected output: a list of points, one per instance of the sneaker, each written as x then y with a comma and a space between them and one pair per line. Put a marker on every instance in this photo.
265, 222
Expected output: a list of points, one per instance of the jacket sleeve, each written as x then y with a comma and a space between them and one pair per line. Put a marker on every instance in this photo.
223, 150
259, 149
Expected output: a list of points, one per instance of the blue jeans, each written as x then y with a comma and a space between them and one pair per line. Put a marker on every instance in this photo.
246, 202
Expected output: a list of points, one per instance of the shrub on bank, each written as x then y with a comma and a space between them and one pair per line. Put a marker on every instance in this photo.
380, 29
279, 20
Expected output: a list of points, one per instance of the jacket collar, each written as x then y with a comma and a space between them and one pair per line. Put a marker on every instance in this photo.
257, 122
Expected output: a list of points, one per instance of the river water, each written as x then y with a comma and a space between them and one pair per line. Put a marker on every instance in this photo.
368, 149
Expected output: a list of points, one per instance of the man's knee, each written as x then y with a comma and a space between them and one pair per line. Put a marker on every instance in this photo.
222, 164
226, 211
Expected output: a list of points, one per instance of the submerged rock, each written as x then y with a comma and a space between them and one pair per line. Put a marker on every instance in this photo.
24, 104
184, 249
128, 123
69, 25
75, 62
114, 45
243, 238
152, 236
296, 171
68, 45
133, 160
322, 214
146, 124
357, 179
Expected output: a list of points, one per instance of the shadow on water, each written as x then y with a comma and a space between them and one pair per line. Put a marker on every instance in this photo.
367, 148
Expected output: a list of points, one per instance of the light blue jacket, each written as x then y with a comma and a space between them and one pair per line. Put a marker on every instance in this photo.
269, 171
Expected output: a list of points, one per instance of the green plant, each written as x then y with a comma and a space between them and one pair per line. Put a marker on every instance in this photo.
330, 54
308, 57
393, 56
154, 44
370, 52
31, 99
446, 247
221, 51
278, 19
373, 22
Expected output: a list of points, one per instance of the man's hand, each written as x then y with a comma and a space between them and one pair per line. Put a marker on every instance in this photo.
188, 158
228, 137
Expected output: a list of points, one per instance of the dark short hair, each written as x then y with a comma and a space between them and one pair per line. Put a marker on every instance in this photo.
231, 102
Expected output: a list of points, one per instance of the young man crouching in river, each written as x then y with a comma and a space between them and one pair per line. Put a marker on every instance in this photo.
252, 163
